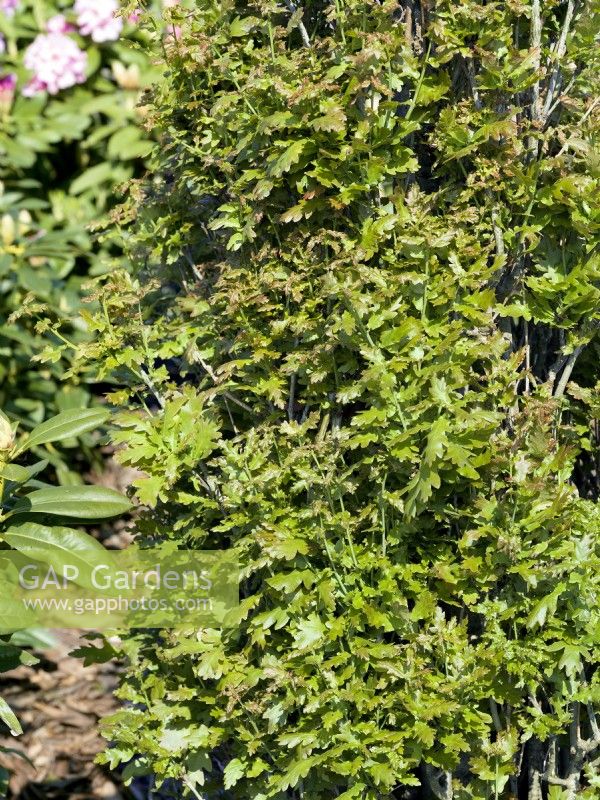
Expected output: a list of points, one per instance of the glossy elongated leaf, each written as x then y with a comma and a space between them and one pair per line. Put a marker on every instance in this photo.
15, 473
66, 426
79, 502
18, 474
57, 547
13, 614
8, 717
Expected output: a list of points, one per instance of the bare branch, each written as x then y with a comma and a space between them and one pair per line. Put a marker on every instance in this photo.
554, 780
193, 266
292, 8
557, 54
498, 234
535, 44
292, 399
593, 722
443, 791
575, 728
566, 374
536, 703
473, 84
557, 102
495, 715
151, 386
210, 372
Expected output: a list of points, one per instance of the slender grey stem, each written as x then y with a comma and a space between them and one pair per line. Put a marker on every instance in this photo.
566, 373
301, 27
536, 45
558, 53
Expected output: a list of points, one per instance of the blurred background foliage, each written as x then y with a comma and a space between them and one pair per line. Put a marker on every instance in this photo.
65, 152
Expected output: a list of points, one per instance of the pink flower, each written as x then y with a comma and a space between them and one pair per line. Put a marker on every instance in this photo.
8, 85
97, 18
8, 82
9, 7
135, 16
56, 62
58, 24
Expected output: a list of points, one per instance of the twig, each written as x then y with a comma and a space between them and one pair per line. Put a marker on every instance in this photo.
192, 789
591, 713
556, 368
231, 419
576, 752
150, 384
593, 723
558, 53
527, 356
568, 369
536, 703
407, 19
290, 409
536, 45
554, 780
193, 266
440, 791
210, 372
495, 715
473, 84
498, 234
557, 102
292, 8
550, 761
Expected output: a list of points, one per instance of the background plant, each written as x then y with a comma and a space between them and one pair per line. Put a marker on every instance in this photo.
361, 353
32, 521
71, 131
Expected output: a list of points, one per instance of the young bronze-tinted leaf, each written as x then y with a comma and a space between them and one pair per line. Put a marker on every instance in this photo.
285, 160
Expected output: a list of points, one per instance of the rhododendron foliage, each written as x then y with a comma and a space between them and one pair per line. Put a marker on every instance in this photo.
70, 133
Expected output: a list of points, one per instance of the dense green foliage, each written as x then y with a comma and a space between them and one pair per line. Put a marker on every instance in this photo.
63, 157
361, 354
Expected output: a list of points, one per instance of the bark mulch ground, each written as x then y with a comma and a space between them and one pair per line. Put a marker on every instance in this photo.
59, 703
